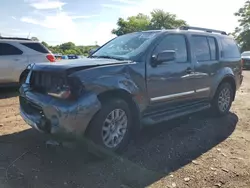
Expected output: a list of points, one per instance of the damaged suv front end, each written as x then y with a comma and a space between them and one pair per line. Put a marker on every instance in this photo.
100, 97
56, 103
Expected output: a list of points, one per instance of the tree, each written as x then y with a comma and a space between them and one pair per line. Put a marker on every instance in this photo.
67, 46
45, 44
134, 23
157, 20
242, 32
164, 20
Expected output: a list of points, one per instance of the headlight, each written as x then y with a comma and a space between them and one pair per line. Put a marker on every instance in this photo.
71, 90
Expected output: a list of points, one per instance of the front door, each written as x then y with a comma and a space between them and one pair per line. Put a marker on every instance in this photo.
171, 82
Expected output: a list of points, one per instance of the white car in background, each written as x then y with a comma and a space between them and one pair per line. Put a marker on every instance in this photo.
16, 54
245, 58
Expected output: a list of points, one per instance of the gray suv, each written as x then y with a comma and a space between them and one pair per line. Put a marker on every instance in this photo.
134, 80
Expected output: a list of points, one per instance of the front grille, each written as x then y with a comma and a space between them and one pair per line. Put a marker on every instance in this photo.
46, 81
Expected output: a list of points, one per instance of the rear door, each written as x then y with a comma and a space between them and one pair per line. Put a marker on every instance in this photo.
11, 58
206, 63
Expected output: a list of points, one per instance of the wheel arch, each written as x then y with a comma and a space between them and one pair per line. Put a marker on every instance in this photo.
128, 98
228, 79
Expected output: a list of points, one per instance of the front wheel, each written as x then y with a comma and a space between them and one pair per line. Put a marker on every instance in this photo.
223, 99
111, 126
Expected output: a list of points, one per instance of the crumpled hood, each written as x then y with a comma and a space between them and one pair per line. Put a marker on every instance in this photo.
78, 64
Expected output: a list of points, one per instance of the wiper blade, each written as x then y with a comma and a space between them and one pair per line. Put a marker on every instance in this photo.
108, 57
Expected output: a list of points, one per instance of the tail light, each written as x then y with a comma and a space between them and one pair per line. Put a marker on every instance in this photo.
51, 58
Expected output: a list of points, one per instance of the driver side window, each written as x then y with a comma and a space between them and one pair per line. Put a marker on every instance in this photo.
176, 43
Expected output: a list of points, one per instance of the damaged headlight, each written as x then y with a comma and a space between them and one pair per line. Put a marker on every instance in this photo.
71, 90
63, 92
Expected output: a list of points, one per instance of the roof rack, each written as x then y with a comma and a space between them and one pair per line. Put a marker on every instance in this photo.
14, 38
202, 29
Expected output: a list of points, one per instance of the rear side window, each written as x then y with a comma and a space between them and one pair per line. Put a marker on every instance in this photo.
230, 48
8, 49
201, 48
36, 46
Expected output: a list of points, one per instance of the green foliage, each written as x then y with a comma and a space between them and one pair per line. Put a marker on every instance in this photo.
158, 20
242, 32
134, 23
69, 48
45, 44
165, 20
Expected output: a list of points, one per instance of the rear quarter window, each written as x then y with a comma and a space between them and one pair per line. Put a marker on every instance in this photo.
230, 48
37, 47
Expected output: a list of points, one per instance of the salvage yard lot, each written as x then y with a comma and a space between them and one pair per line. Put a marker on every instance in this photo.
195, 151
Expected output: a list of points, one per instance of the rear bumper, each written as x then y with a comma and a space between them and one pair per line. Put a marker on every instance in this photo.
58, 117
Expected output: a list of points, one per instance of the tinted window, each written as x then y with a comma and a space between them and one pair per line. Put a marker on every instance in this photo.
174, 42
201, 48
230, 48
212, 45
7, 49
36, 46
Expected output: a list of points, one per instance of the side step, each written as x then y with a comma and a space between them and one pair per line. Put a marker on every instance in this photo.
174, 113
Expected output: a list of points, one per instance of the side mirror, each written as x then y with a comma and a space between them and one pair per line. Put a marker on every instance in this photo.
93, 50
164, 56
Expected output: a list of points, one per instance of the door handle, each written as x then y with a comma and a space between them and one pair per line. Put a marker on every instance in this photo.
189, 70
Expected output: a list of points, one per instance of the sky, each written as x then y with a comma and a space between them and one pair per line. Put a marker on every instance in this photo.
86, 22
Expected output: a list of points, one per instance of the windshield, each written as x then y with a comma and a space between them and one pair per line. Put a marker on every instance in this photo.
126, 46
245, 54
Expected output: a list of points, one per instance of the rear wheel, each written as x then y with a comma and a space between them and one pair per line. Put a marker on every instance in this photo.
111, 126
223, 99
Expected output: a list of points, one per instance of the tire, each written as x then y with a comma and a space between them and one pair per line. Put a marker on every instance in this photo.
99, 122
218, 108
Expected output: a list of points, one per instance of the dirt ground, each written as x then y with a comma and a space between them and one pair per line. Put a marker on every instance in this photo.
196, 152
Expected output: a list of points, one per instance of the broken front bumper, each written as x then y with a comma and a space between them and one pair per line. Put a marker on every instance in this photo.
51, 115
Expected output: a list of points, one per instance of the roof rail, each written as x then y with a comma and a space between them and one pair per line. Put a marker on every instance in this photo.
202, 29
14, 38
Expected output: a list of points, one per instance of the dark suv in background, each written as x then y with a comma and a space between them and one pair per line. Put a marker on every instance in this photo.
134, 80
